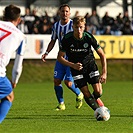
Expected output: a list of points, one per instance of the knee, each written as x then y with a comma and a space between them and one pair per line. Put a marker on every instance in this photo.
57, 82
99, 92
98, 89
68, 83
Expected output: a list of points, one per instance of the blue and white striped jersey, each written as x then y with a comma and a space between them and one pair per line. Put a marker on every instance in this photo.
59, 30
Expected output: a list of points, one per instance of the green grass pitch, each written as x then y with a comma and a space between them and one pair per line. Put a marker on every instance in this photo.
33, 111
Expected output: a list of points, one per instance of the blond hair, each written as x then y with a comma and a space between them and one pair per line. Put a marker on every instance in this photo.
78, 19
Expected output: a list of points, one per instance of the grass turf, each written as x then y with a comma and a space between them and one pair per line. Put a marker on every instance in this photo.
38, 71
33, 111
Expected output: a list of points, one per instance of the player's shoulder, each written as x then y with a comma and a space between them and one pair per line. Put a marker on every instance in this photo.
71, 21
8, 26
88, 34
55, 24
21, 33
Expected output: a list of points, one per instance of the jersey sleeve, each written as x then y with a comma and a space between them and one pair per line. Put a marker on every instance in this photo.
95, 44
17, 67
54, 34
21, 48
93, 40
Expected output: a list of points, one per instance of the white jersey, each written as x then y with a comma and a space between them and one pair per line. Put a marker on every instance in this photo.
11, 40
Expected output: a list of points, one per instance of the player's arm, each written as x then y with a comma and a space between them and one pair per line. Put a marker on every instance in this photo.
61, 59
17, 67
104, 65
49, 48
17, 70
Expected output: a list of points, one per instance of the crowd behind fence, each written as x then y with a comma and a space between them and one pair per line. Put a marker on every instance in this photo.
122, 24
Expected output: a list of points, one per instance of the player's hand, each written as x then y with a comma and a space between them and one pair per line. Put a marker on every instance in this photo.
43, 57
103, 78
78, 66
13, 85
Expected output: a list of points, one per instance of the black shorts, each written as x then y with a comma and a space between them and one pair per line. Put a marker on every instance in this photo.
90, 75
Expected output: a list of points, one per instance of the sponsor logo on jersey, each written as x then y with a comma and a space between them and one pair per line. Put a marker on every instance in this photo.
78, 50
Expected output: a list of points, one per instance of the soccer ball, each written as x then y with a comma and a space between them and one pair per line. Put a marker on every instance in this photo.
102, 114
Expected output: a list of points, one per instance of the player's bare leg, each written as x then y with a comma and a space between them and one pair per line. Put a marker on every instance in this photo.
97, 93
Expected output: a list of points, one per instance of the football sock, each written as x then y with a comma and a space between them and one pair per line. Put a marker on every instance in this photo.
96, 96
59, 93
74, 89
5, 105
91, 101
99, 101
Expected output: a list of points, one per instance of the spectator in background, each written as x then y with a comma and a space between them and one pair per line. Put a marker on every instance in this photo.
107, 20
45, 25
119, 20
76, 13
36, 27
126, 30
126, 17
46, 18
132, 26
36, 17
89, 27
93, 23
95, 20
23, 27
35, 30
29, 20
87, 18
56, 17
45, 29
107, 30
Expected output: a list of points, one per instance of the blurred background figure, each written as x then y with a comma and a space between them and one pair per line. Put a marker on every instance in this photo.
107, 31
95, 20
23, 27
29, 20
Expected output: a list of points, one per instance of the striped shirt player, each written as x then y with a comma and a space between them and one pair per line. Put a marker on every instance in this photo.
58, 32
61, 72
11, 40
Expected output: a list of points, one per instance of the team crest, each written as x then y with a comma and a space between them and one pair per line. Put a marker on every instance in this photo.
85, 45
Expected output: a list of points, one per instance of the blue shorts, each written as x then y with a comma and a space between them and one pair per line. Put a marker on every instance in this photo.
5, 87
62, 72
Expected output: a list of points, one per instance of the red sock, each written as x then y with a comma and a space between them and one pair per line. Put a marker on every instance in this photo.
100, 103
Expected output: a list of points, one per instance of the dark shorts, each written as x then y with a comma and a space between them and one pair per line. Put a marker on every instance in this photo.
90, 75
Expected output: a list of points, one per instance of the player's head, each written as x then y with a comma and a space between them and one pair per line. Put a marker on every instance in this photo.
11, 13
64, 11
79, 26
